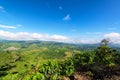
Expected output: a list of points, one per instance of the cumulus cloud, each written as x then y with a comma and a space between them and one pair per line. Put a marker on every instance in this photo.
7, 27
114, 37
44, 37
67, 17
31, 36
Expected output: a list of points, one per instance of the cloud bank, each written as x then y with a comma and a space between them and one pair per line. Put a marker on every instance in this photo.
114, 37
7, 27
31, 36
6, 35
44, 37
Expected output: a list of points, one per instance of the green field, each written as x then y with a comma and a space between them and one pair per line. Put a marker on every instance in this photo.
37, 60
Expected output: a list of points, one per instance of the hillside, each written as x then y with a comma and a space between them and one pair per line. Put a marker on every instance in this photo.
20, 60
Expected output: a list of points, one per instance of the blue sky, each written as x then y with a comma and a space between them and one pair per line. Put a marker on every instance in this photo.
81, 21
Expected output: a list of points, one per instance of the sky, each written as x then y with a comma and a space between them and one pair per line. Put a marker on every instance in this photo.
76, 21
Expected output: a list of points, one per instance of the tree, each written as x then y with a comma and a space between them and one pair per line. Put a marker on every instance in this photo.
105, 41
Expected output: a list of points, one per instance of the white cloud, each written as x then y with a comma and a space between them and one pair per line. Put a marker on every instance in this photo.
7, 27
59, 37
67, 17
31, 36
2, 9
60, 7
45, 37
114, 37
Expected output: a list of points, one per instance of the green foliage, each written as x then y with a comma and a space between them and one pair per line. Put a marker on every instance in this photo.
50, 69
38, 76
83, 60
104, 62
54, 76
50, 61
100, 63
66, 67
105, 56
28, 77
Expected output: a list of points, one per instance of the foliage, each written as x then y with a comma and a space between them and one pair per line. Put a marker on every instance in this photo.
66, 67
50, 70
50, 61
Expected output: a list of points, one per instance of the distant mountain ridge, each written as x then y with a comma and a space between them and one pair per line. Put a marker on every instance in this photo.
59, 43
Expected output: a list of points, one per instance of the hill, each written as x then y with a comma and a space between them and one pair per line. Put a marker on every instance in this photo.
45, 60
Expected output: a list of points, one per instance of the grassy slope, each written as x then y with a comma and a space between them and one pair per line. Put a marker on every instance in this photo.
30, 54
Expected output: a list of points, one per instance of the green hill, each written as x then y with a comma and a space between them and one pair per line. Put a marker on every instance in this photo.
43, 60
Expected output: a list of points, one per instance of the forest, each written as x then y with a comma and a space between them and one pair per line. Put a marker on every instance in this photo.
45, 60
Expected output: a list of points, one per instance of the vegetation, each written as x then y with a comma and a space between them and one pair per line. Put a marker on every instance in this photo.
57, 61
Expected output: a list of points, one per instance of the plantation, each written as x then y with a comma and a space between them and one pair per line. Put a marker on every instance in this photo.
37, 60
